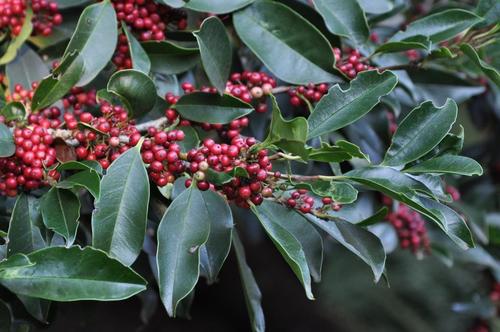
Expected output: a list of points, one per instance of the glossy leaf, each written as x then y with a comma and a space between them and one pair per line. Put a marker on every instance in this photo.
344, 18
287, 244
55, 86
490, 71
24, 235
168, 58
95, 39
420, 131
26, 68
214, 252
341, 151
18, 41
216, 53
297, 225
212, 108
135, 89
251, 290
181, 235
60, 209
73, 274
7, 146
292, 49
140, 59
448, 164
411, 43
13, 111
439, 26
489, 10
17, 260
359, 241
340, 107
83, 165
120, 214
88, 179
217, 6
340, 192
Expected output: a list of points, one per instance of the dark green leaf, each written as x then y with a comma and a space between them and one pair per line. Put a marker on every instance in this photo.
88, 179
439, 26
376, 6
341, 151
55, 86
73, 274
26, 68
17, 260
359, 241
420, 131
250, 288
448, 164
120, 214
24, 236
135, 89
7, 146
287, 244
140, 59
344, 18
95, 39
81, 165
286, 43
60, 209
340, 107
216, 53
217, 6
62, 4
217, 178
489, 10
191, 139
13, 111
214, 252
488, 70
212, 108
411, 43
340, 192
181, 234
168, 58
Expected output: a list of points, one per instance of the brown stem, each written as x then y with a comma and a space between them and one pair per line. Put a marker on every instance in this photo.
307, 178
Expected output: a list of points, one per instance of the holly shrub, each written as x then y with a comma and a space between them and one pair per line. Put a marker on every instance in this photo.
178, 128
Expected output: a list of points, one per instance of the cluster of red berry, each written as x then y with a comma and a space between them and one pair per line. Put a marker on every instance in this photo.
351, 62
163, 155
106, 136
45, 16
225, 158
147, 20
78, 99
29, 167
410, 227
251, 87
302, 201
311, 92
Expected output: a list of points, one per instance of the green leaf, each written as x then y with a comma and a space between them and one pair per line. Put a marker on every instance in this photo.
173, 3
181, 234
13, 111
17, 260
411, 43
168, 58
83, 165
489, 10
7, 146
340, 107
342, 151
135, 89
287, 244
396, 185
448, 164
60, 209
53, 87
289, 135
95, 39
120, 214
217, 178
297, 225
340, 192
214, 252
420, 131
344, 18
24, 236
140, 59
19, 40
488, 70
212, 108
251, 290
359, 241
292, 48
73, 274
26, 68
191, 139
216, 53
63, 4
439, 26
376, 6
217, 6
88, 179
